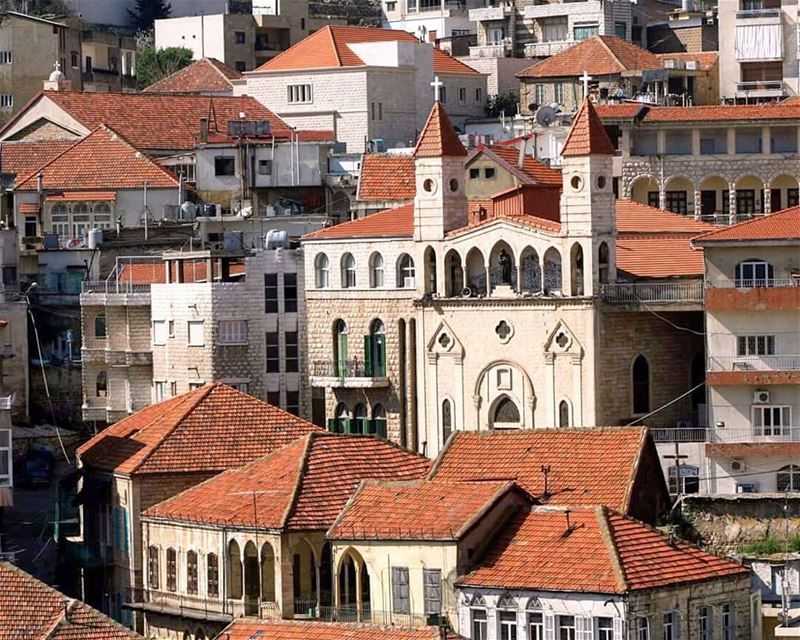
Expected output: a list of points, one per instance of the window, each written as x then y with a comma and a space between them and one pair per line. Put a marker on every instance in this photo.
748, 141
100, 325
783, 140
293, 402
6, 455
538, 94
239, 37
621, 30
172, 570
290, 293
566, 627
5, 57
506, 414
274, 398
676, 201
292, 352
265, 167
173, 388
582, 32
273, 353
755, 345
6, 100
788, 478
298, 93
232, 332
442, 94
478, 95
191, 572
488, 173
101, 384
605, 629
447, 420
224, 166
159, 389
770, 420
754, 273
152, 567
270, 293
432, 582
321, 271
536, 626
401, 602
683, 481
641, 385
462, 94
642, 628
379, 421
240, 65
474, 174
508, 625
558, 92
670, 626
372, 111
376, 271
728, 630
212, 574
348, 271
478, 624
195, 330
405, 272
704, 623
745, 201
74, 60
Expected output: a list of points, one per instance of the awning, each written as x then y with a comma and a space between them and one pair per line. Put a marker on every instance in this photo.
83, 196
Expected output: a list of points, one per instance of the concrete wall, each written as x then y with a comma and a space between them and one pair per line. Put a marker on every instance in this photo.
500, 72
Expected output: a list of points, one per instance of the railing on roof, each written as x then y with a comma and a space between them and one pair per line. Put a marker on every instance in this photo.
679, 434
772, 86
653, 292
784, 433
123, 279
754, 363
758, 13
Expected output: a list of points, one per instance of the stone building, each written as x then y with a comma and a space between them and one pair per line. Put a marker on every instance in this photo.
387, 73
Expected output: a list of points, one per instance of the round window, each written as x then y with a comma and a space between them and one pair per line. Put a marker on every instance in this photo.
453, 184
576, 182
429, 185
601, 182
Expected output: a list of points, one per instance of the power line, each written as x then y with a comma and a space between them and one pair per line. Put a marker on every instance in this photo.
664, 406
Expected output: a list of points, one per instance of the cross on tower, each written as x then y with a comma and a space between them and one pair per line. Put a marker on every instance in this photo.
437, 88
585, 79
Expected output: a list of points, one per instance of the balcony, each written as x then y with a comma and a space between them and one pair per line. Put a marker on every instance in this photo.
774, 294
679, 434
754, 363
755, 434
751, 14
499, 50
761, 89
586, 8
635, 292
485, 14
547, 49
346, 374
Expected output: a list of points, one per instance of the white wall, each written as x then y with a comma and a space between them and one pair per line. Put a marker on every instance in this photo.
204, 36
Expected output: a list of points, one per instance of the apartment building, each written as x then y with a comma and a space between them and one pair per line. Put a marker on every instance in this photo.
758, 50
429, 20
105, 60
752, 305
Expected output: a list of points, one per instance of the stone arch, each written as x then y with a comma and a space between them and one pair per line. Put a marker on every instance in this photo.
321, 271
509, 378
783, 188
714, 199
679, 194
234, 570
453, 273
252, 578
267, 572
429, 265
304, 572
530, 277
406, 272
641, 186
576, 271
475, 272
502, 264
376, 270
505, 413
750, 194
353, 585
552, 271
348, 269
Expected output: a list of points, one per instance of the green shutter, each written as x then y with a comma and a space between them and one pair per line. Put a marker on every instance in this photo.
368, 355
348, 425
380, 357
332, 426
380, 427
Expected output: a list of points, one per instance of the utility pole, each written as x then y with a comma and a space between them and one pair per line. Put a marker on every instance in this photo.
677, 456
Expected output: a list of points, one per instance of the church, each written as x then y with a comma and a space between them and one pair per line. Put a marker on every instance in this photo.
450, 314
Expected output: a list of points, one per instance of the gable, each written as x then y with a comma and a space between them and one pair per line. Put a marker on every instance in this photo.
44, 129
649, 497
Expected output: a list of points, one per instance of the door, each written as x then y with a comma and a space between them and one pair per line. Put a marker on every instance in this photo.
708, 202
378, 349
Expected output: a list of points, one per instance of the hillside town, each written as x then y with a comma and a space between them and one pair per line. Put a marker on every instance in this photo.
399, 320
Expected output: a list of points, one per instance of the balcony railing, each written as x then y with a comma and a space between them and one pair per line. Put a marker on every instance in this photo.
498, 50
754, 363
436, 5
547, 49
113, 286
490, 13
761, 88
755, 434
758, 13
653, 292
679, 434
345, 369
750, 283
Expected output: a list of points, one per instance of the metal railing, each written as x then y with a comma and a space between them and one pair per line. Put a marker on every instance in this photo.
653, 292
760, 85
131, 274
758, 13
755, 434
345, 369
751, 283
306, 608
679, 434
754, 363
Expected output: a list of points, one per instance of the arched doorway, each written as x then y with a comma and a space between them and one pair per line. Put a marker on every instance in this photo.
454, 274
714, 199
252, 580
353, 588
552, 271
749, 197
304, 579
679, 195
576, 270
430, 271
267, 573
645, 191
476, 272
234, 571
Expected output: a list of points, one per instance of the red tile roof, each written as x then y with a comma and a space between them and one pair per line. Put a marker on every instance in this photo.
299, 487
210, 429
705, 60
532, 171
587, 135
82, 196
587, 466
251, 629
438, 138
23, 158
392, 223
31, 610
783, 225
704, 113
206, 76
532, 222
418, 510
155, 272
387, 177
152, 121
634, 217
328, 48
29, 207
599, 55
101, 160
729, 450
590, 549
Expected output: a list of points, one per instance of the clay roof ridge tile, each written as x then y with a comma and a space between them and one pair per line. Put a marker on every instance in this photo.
608, 538
299, 480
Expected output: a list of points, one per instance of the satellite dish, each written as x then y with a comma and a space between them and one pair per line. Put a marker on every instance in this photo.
545, 116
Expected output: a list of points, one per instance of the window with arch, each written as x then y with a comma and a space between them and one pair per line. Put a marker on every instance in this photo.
212, 574
81, 220
379, 421
322, 271
507, 617
535, 619
564, 414
603, 263
153, 569
375, 349
101, 215
340, 348
754, 273
640, 378
191, 572
447, 419
576, 275
552, 271
788, 479
360, 420
348, 271
340, 423
642, 625
430, 270
172, 569
506, 414
376, 270
59, 217
101, 385
405, 272
100, 325
478, 622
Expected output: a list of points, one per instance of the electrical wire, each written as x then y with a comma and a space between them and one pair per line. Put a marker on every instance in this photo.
669, 322
664, 406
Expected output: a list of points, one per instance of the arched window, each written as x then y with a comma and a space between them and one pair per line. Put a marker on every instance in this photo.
348, 271
576, 275
788, 478
477, 618
641, 385
268, 573
81, 219
564, 414
361, 422
447, 419
376, 271
379, 421
430, 270
375, 350
59, 215
235, 585
405, 272
454, 274
552, 271
340, 423
321, 271
506, 414
100, 325
531, 271
191, 572
602, 263
535, 619
340, 348
507, 617
101, 215
101, 384
212, 574
754, 273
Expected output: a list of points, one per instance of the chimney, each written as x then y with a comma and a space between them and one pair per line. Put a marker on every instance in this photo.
521, 158
203, 130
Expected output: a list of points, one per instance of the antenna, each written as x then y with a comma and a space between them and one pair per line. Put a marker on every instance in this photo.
546, 471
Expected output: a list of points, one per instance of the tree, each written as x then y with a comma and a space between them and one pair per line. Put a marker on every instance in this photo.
152, 65
147, 12
502, 103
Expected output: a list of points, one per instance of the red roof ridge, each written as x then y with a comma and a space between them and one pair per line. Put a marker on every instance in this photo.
607, 536
438, 138
301, 475
784, 213
335, 232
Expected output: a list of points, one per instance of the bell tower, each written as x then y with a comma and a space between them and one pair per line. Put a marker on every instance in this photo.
440, 203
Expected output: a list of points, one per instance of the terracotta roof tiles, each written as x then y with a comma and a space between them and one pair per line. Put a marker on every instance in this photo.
587, 135
205, 76
419, 510
703, 113
387, 177
209, 429
391, 223
783, 225
251, 629
23, 158
438, 138
533, 169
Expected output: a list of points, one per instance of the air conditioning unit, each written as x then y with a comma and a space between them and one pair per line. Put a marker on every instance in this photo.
408, 283
761, 397
747, 487
738, 465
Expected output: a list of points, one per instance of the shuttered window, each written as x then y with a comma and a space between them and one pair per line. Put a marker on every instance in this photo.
433, 590
401, 602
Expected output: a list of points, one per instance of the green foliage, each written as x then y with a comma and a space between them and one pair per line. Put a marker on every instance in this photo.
39, 7
146, 12
502, 103
153, 65
358, 12
770, 546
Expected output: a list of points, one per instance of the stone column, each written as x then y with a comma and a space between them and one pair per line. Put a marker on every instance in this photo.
487, 269
732, 202
359, 595
319, 589
577, 390
698, 205
550, 387
766, 206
